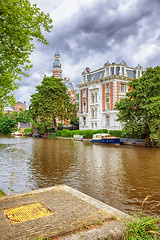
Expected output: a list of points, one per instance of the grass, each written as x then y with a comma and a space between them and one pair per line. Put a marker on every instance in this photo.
143, 227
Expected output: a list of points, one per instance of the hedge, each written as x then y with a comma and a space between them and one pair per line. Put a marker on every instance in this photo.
86, 133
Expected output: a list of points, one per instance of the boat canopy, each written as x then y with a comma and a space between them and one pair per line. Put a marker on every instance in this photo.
101, 135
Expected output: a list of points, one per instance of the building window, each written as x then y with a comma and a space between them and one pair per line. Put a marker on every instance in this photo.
123, 87
92, 98
95, 113
107, 120
95, 125
84, 107
117, 70
84, 79
107, 88
92, 125
96, 98
112, 70
107, 72
107, 104
84, 93
84, 122
92, 113
138, 74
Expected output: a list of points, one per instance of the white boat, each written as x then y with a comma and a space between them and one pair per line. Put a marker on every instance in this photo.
105, 138
78, 137
16, 134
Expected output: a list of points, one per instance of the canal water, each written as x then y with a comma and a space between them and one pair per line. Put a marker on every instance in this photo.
119, 176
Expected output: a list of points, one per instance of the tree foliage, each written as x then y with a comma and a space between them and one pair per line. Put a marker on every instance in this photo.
51, 102
141, 109
19, 24
9, 121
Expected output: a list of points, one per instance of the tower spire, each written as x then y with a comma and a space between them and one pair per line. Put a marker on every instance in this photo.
57, 71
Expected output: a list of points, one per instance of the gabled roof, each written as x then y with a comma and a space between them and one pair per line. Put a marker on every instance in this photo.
24, 124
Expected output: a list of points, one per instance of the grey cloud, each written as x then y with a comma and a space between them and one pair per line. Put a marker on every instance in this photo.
96, 30
92, 28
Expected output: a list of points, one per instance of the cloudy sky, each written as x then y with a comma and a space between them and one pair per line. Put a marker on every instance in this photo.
87, 33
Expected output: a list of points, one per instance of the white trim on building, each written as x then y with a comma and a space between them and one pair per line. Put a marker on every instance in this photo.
99, 91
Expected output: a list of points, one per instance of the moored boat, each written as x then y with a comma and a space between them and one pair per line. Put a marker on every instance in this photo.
16, 134
105, 138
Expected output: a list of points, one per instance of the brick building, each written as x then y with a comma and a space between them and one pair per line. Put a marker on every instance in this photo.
100, 90
20, 106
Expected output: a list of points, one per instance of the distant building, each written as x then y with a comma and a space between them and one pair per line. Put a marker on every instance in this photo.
100, 90
23, 125
70, 89
20, 106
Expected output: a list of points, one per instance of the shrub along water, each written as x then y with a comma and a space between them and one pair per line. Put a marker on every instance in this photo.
86, 133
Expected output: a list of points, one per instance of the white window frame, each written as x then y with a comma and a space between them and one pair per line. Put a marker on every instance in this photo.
122, 87
107, 103
107, 88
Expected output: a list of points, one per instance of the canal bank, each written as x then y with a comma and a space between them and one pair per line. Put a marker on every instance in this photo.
123, 141
62, 213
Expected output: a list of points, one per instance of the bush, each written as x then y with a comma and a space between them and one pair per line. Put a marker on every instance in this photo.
28, 130
86, 133
64, 133
115, 133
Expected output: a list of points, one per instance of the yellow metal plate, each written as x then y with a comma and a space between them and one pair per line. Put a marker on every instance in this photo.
27, 212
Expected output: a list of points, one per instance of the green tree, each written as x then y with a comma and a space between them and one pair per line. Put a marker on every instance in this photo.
75, 122
51, 102
23, 116
9, 121
20, 22
140, 110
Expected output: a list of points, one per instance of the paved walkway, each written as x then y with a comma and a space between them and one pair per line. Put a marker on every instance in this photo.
73, 215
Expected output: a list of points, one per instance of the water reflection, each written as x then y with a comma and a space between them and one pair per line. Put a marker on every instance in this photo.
119, 176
